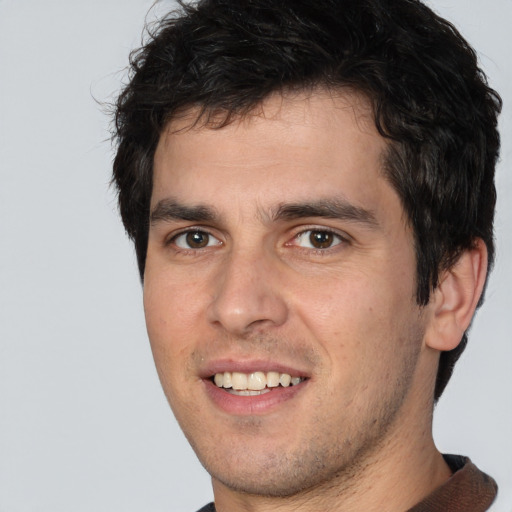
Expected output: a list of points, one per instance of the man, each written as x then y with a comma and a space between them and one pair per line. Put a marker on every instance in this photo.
309, 186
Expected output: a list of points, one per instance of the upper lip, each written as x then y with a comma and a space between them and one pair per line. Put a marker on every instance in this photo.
249, 366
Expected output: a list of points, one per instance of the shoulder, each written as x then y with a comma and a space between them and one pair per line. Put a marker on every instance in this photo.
208, 508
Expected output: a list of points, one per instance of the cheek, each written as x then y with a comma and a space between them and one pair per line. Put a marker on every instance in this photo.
170, 327
342, 302
171, 305
171, 313
360, 319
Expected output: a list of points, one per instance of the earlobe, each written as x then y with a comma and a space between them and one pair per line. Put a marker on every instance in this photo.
455, 299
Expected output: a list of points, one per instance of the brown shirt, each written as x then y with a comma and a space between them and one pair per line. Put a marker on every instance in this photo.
468, 490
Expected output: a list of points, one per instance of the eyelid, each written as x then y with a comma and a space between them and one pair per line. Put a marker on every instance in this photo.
171, 239
342, 236
299, 231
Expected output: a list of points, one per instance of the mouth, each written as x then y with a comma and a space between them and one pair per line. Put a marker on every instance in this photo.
254, 383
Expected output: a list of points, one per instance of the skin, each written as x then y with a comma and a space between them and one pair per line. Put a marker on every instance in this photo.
356, 434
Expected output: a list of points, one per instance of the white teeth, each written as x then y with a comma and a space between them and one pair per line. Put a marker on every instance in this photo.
254, 383
285, 379
272, 379
239, 380
219, 379
226, 379
247, 392
257, 381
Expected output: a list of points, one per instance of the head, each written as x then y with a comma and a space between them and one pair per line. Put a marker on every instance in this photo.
429, 100
219, 62
230, 74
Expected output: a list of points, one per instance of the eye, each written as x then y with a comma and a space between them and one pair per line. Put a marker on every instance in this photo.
195, 239
317, 239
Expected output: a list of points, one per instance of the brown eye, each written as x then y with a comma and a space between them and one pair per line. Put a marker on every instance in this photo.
317, 239
195, 240
321, 239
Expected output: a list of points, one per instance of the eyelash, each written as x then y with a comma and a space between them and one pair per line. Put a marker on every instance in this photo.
338, 238
172, 240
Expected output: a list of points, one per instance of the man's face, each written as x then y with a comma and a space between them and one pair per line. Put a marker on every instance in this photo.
277, 250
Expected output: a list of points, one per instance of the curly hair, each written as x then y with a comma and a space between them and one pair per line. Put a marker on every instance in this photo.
429, 98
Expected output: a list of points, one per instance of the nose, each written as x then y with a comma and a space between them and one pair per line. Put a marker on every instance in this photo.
248, 295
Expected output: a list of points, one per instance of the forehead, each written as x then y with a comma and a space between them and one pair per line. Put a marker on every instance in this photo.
291, 147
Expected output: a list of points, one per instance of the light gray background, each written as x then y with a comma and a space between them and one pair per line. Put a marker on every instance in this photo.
84, 425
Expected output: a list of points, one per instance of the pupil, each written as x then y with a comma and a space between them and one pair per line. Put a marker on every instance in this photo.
321, 239
197, 240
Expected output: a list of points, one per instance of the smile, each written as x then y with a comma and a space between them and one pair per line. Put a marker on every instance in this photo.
255, 383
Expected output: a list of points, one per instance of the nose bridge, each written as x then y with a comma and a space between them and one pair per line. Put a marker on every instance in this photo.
247, 293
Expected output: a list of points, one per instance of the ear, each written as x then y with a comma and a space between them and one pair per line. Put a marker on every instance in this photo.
456, 297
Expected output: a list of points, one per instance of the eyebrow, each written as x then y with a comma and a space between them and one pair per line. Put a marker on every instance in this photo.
328, 209
169, 209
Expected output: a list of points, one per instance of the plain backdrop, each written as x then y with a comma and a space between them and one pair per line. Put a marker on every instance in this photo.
84, 425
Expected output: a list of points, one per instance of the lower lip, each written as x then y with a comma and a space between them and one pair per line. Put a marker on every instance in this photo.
251, 405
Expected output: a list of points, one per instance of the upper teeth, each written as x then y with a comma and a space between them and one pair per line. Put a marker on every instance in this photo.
254, 381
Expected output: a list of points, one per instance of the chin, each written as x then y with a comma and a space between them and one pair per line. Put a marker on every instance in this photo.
272, 472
